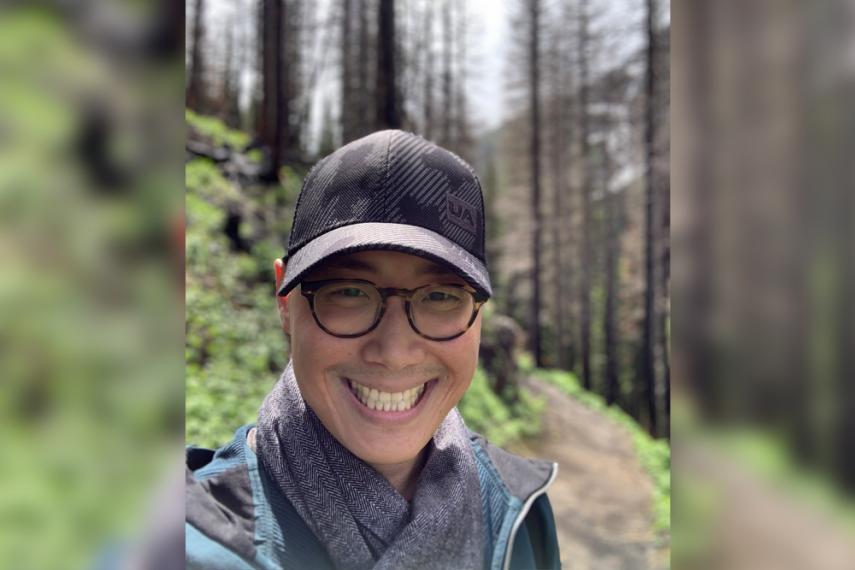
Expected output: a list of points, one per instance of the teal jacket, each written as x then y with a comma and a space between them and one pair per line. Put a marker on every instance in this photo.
238, 519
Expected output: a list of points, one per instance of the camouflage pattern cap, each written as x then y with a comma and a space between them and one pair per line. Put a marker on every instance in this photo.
390, 190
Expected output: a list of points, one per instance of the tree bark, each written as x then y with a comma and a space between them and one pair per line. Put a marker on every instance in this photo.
273, 108
365, 88
195, 94
292, 26
585, 157
447, 92
462, 138
560, 134
347, 103
388, 111
429, 71
534, 9
647, 362
609, 325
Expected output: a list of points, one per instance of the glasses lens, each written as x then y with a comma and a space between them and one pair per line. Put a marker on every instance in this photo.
442, 311
347, 308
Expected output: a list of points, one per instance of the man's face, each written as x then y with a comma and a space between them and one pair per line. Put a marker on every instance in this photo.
391, 359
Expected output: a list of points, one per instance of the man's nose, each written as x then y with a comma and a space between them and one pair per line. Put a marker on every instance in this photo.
394, 344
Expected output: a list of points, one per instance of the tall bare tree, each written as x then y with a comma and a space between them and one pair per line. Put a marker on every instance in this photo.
272, 119
347, 100
365, 80
195, 95
388, 106
447, 87
663, 224
612, 223
463, 139
292, 66
586, 190
534, 8
429, 72
646, 361
280, 22
560, 132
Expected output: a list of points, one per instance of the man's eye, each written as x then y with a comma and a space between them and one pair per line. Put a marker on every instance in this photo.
445, 298
440, 296
350, 292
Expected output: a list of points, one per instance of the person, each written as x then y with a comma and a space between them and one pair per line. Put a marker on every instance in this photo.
359, 458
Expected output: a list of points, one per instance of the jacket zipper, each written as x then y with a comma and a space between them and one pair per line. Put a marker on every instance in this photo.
523, 512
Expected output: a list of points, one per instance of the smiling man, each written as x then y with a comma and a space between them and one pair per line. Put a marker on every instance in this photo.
359, 458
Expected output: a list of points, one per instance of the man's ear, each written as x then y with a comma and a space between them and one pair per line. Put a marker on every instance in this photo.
282, 302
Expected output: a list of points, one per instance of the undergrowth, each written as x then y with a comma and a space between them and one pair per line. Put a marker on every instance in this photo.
215, 130
499, 421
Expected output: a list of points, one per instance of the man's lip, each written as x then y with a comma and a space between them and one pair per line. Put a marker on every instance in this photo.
396, 416
348, 379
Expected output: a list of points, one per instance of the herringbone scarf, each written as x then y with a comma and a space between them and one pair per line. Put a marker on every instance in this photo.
361, 520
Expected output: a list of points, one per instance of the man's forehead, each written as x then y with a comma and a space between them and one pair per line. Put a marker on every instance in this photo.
376, 260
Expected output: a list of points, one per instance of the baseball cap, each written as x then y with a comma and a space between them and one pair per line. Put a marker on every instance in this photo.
390, 190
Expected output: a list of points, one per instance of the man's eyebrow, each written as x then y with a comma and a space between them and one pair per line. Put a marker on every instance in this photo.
349, 263
435, 269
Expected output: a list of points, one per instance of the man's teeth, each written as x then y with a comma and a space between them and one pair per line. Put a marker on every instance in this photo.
387, 401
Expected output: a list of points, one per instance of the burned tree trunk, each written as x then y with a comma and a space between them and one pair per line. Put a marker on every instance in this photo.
388, 107
195, 94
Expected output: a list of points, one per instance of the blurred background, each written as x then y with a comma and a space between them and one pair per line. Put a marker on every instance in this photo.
762, 233
562, 107
93, 156
91, 281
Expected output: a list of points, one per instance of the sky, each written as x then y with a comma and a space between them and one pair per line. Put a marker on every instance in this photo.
491, 53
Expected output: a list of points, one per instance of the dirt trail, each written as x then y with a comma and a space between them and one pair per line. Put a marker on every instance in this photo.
602, 496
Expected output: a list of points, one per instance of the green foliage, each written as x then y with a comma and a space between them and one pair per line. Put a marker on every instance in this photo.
654, 455
215, 130
695, 510
525, 363
498, 421
234, 347
88, 309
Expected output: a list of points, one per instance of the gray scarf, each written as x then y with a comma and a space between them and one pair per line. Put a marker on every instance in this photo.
361, 520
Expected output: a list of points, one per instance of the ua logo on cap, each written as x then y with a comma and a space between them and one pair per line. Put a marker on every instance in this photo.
461, 213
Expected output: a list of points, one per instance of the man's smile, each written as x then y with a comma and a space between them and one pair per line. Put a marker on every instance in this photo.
386, 401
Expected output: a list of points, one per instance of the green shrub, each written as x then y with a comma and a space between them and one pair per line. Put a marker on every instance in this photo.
215, 130
498, 421
234, 347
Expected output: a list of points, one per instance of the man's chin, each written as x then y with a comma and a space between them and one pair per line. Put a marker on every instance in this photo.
381, 454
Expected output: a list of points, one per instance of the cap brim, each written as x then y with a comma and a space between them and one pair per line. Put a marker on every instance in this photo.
414, 240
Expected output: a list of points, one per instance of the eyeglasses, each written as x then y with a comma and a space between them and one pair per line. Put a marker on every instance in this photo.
348, 308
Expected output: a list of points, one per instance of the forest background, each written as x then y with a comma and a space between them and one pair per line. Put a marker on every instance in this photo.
91, 318
562, 107
571, 142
